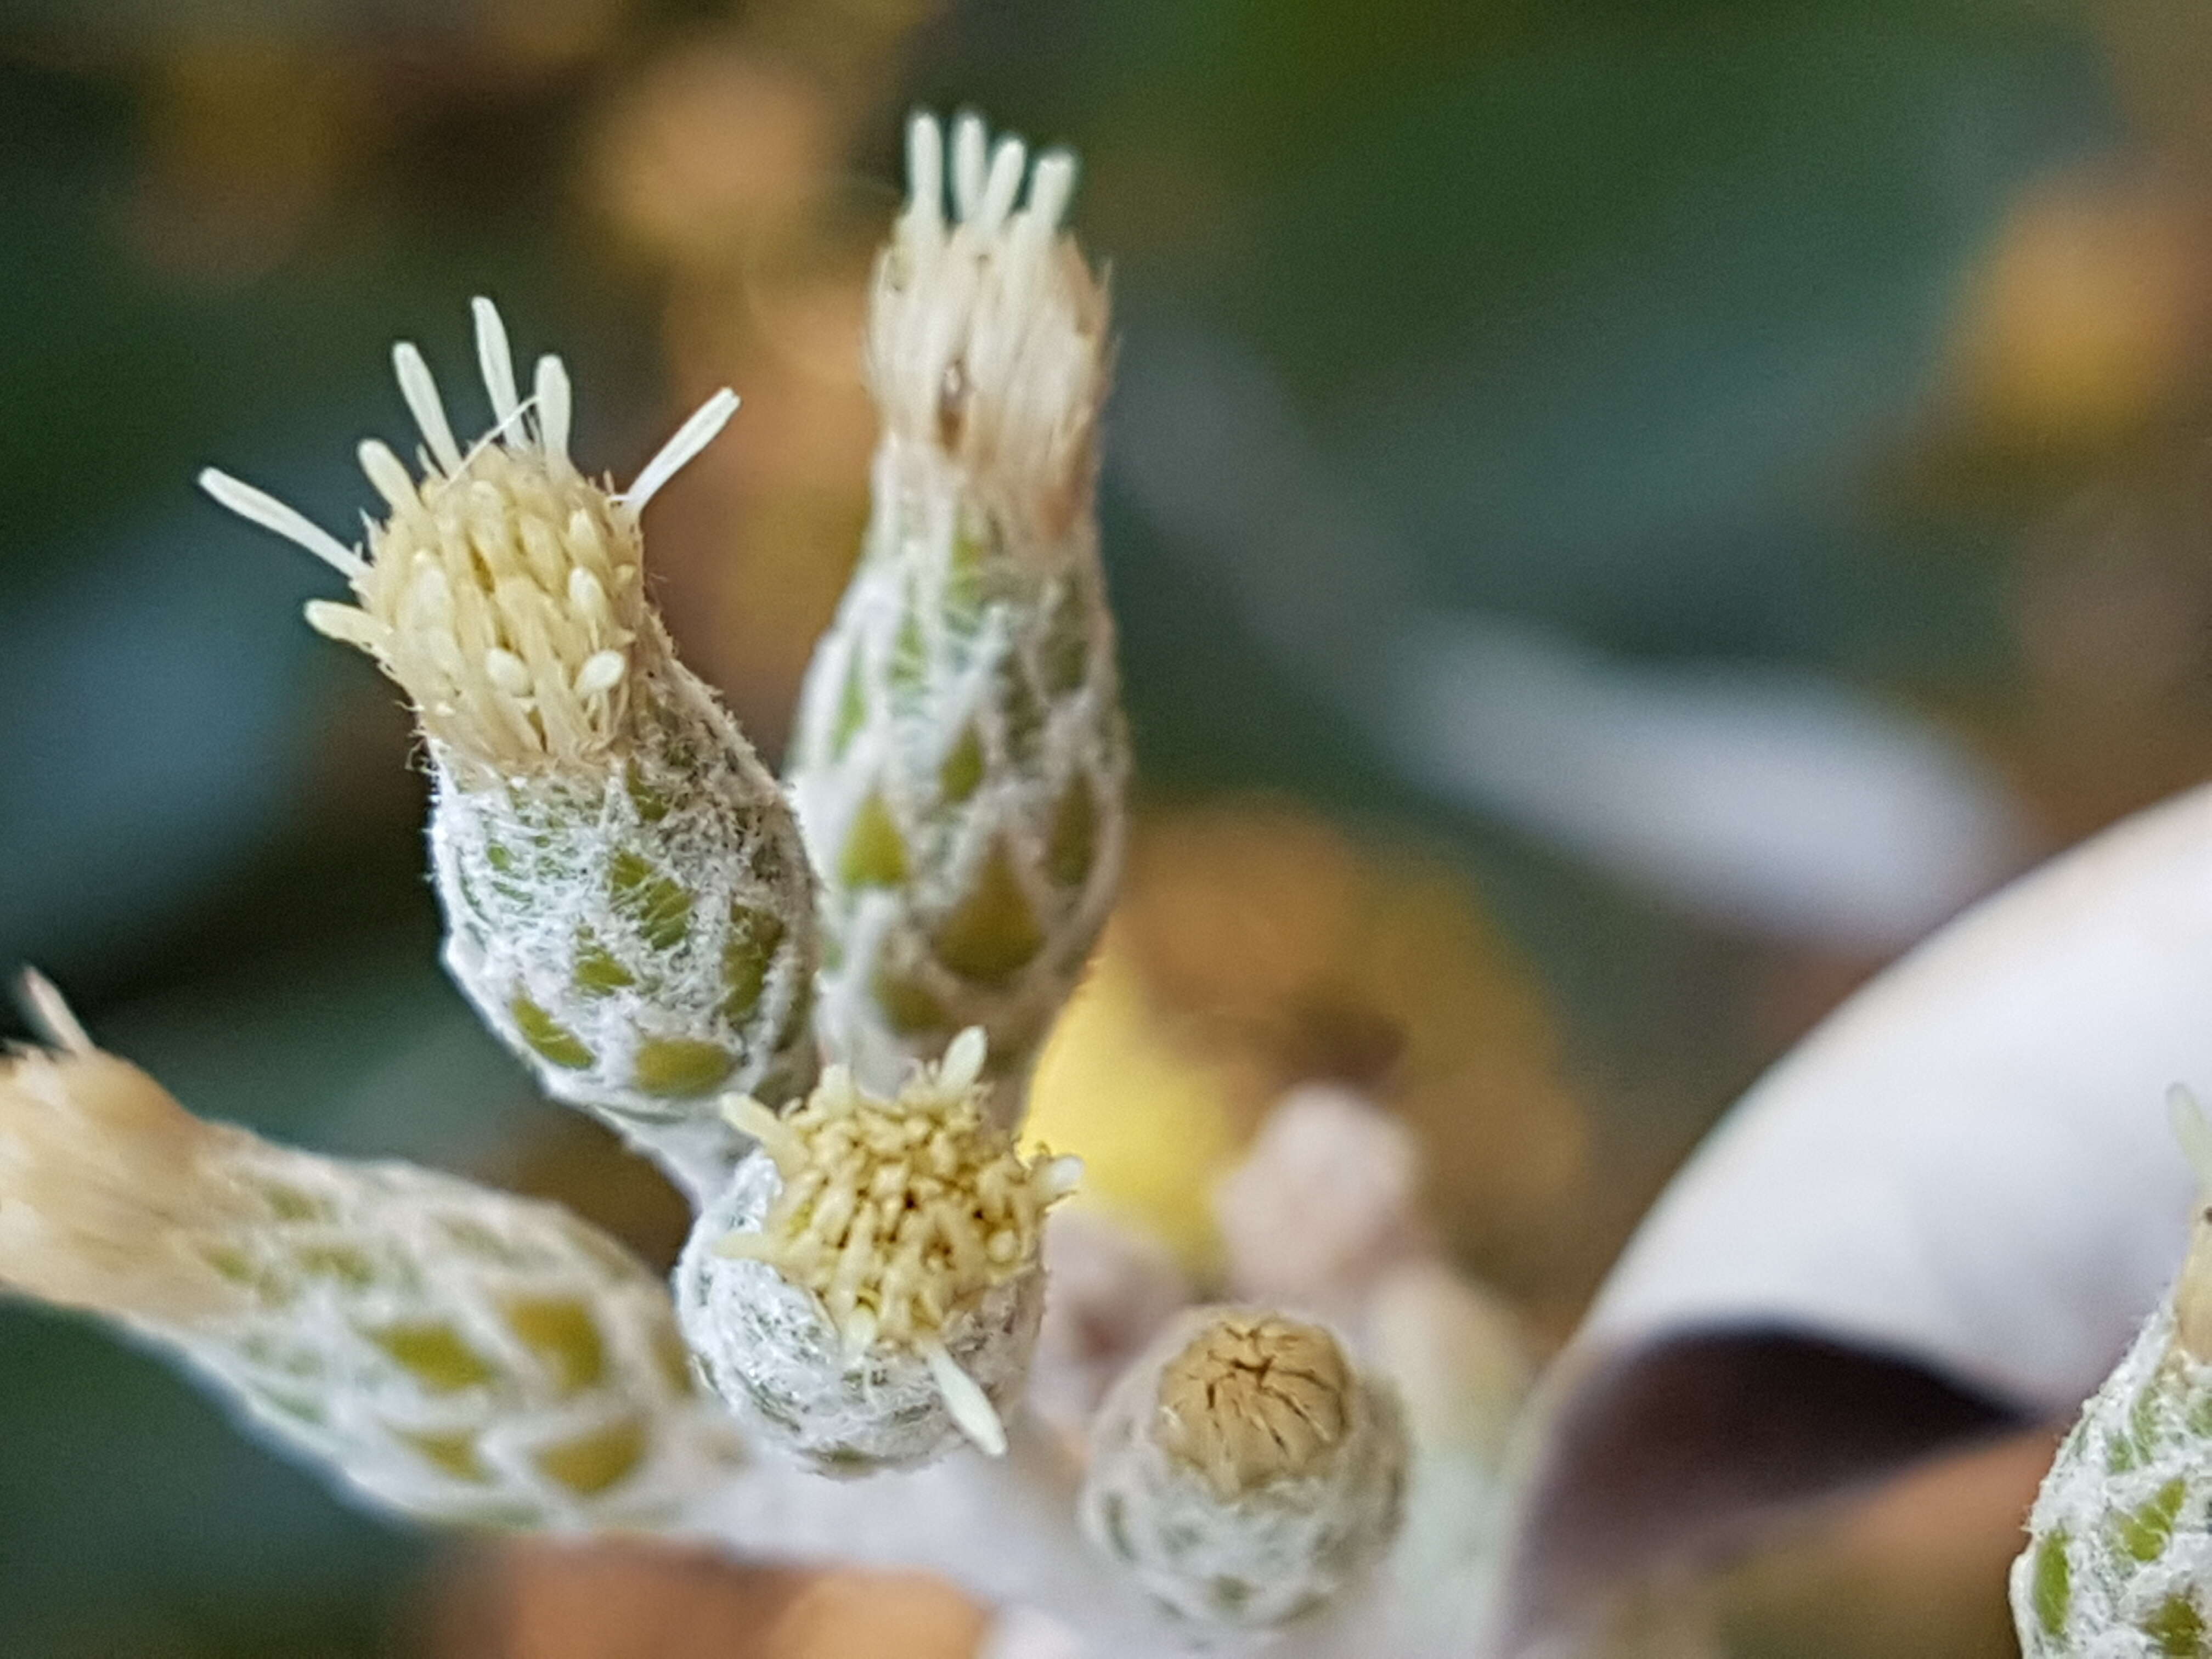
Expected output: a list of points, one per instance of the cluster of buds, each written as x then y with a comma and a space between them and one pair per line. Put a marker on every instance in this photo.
818, 1013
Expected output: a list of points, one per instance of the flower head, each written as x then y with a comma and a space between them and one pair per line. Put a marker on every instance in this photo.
902, 1215
987, 334
1254, 1398
503, 589
1242, 1472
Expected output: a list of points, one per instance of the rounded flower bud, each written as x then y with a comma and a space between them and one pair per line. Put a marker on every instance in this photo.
2118, 1564
1244, 1471
867, 1288
960, 756
629, 902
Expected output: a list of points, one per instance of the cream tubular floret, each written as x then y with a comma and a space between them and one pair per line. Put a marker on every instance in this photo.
107, 1185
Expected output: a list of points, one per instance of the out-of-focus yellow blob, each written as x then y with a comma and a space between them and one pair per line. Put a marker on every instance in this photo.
1153, 1123
2087, 319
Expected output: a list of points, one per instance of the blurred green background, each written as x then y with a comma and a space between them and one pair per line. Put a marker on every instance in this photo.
1563, 449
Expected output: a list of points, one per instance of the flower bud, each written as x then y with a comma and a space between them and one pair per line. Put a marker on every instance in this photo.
867, 1288
961, 756
457, 1354
1242, 1472
2119, 1554
628, 902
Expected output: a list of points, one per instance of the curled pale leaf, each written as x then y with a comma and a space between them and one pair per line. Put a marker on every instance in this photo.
1950, 1207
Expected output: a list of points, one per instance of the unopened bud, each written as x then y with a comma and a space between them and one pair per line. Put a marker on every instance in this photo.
1244, 1471
2119, 1554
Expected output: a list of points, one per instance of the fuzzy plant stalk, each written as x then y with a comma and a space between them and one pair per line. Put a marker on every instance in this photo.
626, 898
2118, 1564
960, 757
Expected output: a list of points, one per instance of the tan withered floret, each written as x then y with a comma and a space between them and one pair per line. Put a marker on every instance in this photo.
899, 1213
986, 331
1254, 1399
106, 1184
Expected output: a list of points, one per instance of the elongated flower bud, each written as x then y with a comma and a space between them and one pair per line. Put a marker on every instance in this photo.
868, 1289
455, 1354
628, 902
961, 755
1242, 1472
2118, 1564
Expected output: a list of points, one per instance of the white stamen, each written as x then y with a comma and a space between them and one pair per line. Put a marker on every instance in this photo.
349, 625
963, 1061
499, 430
925, 168
602, 671
694, 435
50, 1015
507, 671
859, 1333
420, 389
554, 404
1004, 183
385, 472
588, 597
496, 359
967, 165
748, 1117
260, 507
2193, 1131
1052, 185
1059, 1177
970, 1407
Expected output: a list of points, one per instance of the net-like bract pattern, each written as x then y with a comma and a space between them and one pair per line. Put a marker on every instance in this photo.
961, 757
